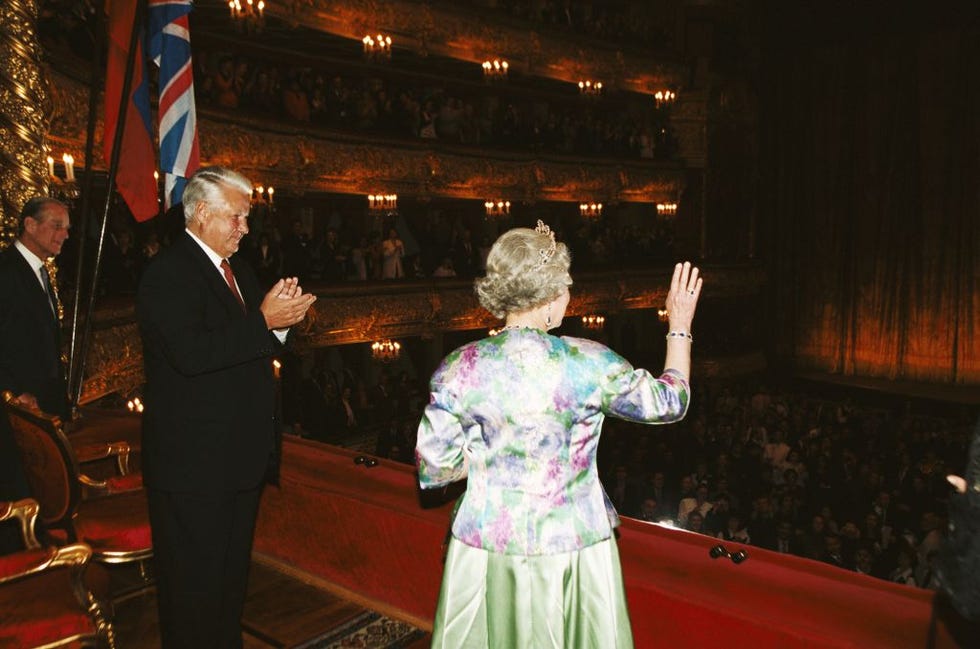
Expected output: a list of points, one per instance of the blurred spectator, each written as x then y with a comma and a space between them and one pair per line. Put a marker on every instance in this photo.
392, 251
445, 269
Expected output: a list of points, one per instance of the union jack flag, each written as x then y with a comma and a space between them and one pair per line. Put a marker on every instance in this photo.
169, 45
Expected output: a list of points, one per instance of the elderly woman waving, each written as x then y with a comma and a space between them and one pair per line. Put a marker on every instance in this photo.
532, 562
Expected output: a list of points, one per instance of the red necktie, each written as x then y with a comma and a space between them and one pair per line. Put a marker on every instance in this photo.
230, 278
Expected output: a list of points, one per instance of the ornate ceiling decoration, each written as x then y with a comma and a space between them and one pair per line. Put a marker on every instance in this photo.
360, 312
458, 33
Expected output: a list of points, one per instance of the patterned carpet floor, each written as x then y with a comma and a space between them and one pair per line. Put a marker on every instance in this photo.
369, 630
281, 612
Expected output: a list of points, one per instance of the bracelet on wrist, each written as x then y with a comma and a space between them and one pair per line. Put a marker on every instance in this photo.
679, 334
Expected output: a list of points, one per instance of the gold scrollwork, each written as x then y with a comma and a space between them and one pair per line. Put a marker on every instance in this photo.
23, 113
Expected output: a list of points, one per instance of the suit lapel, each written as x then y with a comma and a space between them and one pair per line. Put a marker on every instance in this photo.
212, 276
32, 287
246, 284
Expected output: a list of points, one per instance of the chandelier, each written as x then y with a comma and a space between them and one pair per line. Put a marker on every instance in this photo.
590, 210
497, 208
663, 314
248, 15
495, 70
589, 88
666, 209
593, 321
383, 202
377, 47
664, 97
134, 405
385, 351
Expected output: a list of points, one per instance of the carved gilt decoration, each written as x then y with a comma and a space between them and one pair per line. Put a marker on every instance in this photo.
23, 113
329, 161
457, 33
358, 312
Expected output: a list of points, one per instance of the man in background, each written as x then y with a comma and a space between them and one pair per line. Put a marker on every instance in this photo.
30, 335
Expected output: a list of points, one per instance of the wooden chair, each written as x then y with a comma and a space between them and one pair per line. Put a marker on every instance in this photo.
43, 598
115, 525
107, 445
98, 482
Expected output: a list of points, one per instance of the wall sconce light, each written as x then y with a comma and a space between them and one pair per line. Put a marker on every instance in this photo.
590, 210
589, 88
383, 202
497, 208
64, 190
495, 70
593, 321
377, 47
264, 194
666, 209
385, 351
663, 314
248, 16
664, 97
135, 405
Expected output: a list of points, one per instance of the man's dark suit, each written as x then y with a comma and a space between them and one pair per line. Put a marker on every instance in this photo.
30, 360
209, 436
30, 337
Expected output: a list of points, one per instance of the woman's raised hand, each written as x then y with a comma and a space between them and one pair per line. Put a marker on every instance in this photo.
682, 298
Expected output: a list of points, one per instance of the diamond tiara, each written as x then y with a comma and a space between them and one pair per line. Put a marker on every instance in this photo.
549, 252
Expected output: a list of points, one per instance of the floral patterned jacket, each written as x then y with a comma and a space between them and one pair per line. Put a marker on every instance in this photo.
519, 414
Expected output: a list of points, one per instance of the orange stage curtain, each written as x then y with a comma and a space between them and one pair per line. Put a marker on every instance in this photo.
870, 195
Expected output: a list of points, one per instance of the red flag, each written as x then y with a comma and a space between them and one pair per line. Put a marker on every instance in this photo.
134, 177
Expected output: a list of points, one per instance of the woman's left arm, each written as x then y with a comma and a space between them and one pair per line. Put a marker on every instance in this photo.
637, 395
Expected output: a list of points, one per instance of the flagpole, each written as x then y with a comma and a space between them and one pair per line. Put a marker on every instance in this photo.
93, 98
113, 170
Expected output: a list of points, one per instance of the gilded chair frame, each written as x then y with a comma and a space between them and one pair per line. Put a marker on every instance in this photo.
59, 489
40, 561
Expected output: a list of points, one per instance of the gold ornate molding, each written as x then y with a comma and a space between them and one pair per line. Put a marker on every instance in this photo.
319, 160
464, 35
23, 109
358, 312
115, 357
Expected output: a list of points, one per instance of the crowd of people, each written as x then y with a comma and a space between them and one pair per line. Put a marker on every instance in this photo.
475, 116
859, 486
334, 247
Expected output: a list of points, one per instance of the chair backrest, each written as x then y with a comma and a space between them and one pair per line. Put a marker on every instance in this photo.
50, 465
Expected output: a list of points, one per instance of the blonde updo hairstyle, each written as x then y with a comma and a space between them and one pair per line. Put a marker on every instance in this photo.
521, 275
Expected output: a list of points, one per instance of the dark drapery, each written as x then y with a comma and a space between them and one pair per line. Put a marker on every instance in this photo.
870, 198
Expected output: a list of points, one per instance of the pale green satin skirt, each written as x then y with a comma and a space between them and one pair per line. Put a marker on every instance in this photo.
573, 600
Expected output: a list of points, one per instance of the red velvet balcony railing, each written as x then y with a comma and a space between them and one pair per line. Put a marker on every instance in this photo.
362, 530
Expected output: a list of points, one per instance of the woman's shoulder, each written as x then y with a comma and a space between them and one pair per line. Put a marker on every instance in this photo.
586, 346
463, 357
597, 357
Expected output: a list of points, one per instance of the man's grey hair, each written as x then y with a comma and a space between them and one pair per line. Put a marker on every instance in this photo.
206, 185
